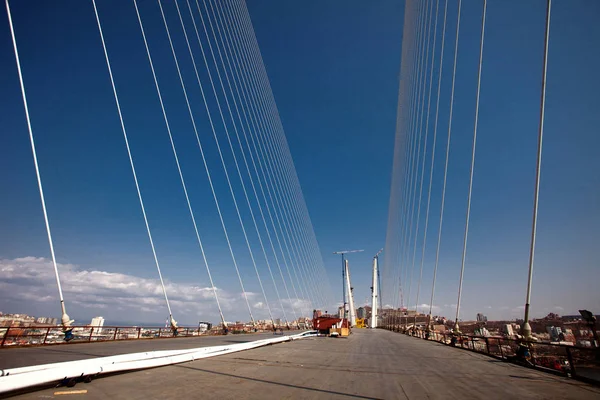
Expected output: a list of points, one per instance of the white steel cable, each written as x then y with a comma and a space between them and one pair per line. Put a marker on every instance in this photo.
425, 142
270, 195
216, 203
284, 197
409, 167
270, 188
397, 197
416, 158
402, 202
173, 147
240, 144
244, 293
212, 84
306, 271
397, 165
391, 273
225, 47
275, 125
137, 186
442, 206
250, 121
437, 110
401, 143
271, 122
273, 192
526, 329
233, 154
65, 321
437, 3
464, 251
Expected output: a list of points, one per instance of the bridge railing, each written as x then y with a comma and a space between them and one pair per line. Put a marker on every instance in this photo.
578, 362
46, 335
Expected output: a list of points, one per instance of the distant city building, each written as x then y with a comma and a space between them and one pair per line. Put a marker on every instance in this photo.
508, 330
204, 326
361, 312
481, 317
556, 333
277, 321
482, 332
569, 336
16, 320
97, 322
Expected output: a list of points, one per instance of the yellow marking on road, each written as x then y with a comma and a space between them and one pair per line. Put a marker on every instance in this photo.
71, 392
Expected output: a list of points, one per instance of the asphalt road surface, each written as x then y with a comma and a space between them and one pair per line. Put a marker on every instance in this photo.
370, 364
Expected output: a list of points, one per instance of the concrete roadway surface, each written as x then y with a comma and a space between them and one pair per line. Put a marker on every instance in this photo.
370, 364
13, 357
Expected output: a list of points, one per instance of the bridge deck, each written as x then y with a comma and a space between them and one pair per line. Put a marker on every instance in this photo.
370, 364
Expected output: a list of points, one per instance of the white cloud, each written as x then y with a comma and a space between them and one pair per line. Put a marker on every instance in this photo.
31, 281
425, 308
559, 308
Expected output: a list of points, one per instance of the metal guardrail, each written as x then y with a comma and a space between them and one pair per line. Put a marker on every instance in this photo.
53, 335
582, 363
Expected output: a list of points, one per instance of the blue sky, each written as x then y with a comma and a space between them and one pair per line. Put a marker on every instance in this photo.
334, 71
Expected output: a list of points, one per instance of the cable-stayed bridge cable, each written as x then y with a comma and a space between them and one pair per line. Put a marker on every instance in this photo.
229, 82
400, 144
406, 201
250, 124
239, 143
64, 317
263, 166
416, 157
399, 280
173, 147
275, 194
282, 142
184, 30
432, 160
232, 151
447, 157
474, 147
437, 110
137, 186
425, 142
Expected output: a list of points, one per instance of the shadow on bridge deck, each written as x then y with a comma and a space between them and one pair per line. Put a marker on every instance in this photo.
370, 364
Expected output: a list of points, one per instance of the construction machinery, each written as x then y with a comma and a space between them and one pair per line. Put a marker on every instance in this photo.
330, 325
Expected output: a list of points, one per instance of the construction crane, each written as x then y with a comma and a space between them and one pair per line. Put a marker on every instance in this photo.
343, 253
